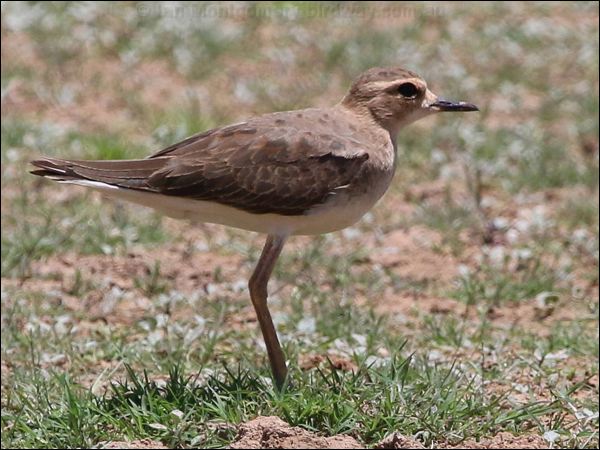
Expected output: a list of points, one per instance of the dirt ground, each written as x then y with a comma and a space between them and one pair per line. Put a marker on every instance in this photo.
272, 432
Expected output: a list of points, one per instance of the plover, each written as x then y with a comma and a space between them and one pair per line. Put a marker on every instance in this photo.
303, 172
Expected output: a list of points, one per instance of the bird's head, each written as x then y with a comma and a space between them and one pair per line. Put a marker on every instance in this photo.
396, 97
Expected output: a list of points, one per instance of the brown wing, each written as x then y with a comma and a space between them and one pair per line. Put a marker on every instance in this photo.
254, 166
271, 170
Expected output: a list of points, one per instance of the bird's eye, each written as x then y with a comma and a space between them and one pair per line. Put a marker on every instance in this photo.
408, 90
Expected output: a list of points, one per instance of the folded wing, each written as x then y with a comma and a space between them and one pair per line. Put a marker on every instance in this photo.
258, 170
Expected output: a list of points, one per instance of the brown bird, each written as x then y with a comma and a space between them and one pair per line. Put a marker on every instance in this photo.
303, 172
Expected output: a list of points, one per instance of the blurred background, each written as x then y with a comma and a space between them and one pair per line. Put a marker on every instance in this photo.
487, 243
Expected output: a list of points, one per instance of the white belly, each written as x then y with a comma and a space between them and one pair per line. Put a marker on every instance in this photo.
341, 211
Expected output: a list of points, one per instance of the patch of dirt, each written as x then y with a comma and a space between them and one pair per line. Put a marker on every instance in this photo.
529, 313
436, 191
92, 94
525, 313
141, 443
414, 304
503, 440
307, 362
114, 286
413, 254
186, 270
272, 432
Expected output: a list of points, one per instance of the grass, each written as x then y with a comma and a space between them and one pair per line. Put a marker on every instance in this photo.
415, 393
494, 287
120, 325
221, 379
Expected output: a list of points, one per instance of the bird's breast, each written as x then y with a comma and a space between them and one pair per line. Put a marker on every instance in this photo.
348, 204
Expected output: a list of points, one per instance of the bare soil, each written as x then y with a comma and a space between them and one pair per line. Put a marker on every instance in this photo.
272, 432
504, 440
138, 444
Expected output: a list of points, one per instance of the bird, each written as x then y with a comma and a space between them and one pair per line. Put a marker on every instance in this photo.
301, 172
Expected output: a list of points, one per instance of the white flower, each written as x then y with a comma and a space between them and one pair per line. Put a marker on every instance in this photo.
307, 325
551, 436
177, 413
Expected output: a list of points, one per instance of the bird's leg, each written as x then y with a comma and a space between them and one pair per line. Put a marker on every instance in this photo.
258, 294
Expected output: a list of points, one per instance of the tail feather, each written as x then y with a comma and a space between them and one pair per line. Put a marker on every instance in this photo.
131, 174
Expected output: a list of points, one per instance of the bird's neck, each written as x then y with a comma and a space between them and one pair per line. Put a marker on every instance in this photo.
375, 136
389, 125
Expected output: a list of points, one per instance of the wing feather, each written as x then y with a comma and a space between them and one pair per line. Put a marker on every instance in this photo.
253, 166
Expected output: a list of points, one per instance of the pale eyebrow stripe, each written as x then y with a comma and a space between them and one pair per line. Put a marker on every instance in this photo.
381, 85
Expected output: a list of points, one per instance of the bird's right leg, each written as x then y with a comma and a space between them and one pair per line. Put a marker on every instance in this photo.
258, 294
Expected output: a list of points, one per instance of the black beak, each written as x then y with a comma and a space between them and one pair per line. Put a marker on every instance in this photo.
445, 105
